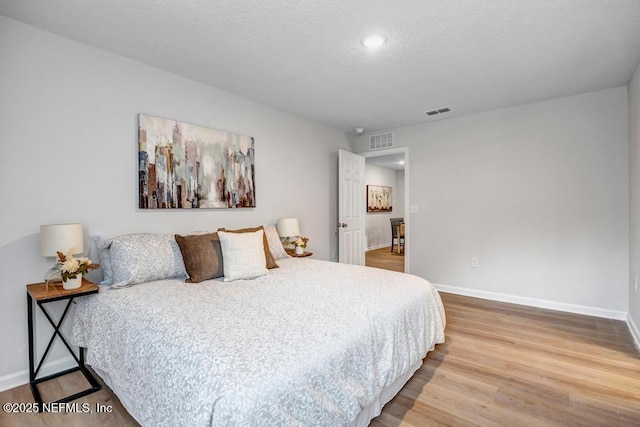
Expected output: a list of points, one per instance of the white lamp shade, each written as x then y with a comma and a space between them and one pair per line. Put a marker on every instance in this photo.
61, 237
288, 227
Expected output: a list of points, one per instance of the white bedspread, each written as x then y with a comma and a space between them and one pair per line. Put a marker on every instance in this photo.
311, 343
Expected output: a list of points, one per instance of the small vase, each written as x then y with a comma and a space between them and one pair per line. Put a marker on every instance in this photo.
299, 250
72, 283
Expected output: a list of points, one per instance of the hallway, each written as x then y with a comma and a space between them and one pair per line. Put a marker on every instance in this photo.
383, 258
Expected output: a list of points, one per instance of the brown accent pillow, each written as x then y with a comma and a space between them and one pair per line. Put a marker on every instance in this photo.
202, 256
271, 261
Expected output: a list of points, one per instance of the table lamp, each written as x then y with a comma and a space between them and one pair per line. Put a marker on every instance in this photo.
56, 238
288, 227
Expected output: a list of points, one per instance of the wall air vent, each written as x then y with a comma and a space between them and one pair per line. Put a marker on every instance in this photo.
380, 141
436, 111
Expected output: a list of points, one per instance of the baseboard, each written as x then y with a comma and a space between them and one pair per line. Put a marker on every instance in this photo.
19, 378
385, 245
635, 331
534, 302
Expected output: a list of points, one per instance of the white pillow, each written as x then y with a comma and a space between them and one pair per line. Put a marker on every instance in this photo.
275, 245
243, 255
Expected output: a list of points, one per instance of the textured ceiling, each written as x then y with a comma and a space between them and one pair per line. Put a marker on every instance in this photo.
306, 57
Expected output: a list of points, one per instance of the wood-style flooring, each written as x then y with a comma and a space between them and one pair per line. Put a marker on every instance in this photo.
501, 365
384, 258
509, 365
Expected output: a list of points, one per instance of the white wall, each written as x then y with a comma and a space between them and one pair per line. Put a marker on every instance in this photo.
538, 192
634, 202
377, 224
68, 120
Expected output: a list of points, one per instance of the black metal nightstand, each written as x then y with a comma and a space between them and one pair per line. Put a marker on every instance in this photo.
43, 294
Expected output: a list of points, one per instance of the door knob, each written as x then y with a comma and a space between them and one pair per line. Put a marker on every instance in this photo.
342, 225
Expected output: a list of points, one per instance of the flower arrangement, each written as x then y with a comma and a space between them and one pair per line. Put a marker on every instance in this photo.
70, 267
302, 242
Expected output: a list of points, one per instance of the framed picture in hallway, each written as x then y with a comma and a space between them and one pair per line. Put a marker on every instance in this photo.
379, 198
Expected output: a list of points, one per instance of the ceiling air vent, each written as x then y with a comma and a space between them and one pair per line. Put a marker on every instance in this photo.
437, 111
380, 141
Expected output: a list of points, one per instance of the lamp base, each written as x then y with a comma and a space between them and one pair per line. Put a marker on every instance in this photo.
54, 274
289, 243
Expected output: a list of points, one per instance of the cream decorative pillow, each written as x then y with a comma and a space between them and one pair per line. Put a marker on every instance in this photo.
271, 261
243, 255
275, 245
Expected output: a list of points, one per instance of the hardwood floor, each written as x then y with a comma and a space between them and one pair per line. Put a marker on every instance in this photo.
510, 365
501, 365
56, 389
383, 258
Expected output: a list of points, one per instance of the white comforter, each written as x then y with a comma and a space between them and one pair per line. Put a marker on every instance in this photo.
311, 343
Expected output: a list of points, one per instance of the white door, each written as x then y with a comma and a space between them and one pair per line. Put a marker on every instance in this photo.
351, 231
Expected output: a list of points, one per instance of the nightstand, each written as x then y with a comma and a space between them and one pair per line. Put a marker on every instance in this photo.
293, 253
39, 293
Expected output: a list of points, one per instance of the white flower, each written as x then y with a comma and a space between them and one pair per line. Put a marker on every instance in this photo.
71, 265
301, 241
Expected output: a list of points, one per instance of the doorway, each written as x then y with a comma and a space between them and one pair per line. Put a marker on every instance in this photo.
389, 168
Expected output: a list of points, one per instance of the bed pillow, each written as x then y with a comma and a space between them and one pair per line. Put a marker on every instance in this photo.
275, 245
243, 255
139, 258
270, 260
105, 259
202, 256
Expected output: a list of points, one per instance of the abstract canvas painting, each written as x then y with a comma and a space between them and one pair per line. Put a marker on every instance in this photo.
185, 166
379, 198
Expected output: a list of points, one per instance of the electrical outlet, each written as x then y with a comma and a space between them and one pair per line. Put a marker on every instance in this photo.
635, 284
474, 261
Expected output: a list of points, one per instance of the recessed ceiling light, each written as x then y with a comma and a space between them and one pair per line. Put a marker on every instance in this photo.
359, 131
374, 40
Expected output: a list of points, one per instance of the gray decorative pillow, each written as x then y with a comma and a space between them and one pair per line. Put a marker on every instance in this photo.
105, 259
139, 258
275, 245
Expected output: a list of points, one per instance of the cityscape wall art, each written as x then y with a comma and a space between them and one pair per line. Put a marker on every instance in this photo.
184, 166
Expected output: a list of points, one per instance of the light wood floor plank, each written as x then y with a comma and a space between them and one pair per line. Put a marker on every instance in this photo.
385, 259
547, 368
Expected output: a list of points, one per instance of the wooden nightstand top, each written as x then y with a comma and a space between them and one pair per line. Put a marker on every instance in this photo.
39, 292
293, 254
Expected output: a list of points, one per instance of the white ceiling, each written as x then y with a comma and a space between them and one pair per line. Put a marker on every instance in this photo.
306, 57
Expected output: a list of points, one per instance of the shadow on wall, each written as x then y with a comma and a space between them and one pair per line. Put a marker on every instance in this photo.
22, 264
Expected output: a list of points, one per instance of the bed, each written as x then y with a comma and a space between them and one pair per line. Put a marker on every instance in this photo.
310, 343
